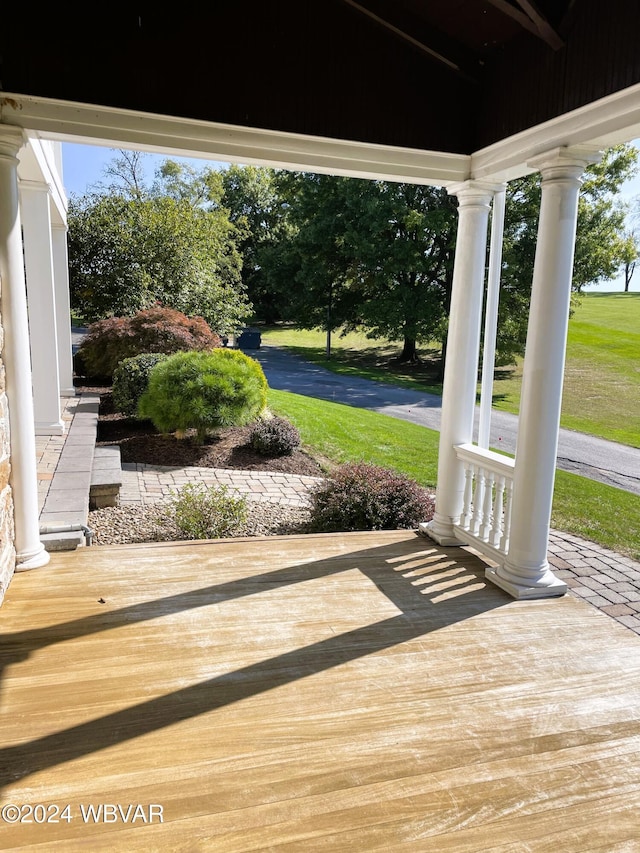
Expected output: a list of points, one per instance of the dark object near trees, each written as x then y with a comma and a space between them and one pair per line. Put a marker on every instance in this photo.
249, 339
156, 329
274, 437
367, 497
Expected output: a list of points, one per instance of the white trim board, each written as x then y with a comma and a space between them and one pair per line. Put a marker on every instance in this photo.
598, 125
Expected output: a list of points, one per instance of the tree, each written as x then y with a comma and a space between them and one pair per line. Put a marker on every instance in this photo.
406, 247
314, 258
255, 206
136, 247
632, 234
601, 243
630, 258
373, 255
125, 174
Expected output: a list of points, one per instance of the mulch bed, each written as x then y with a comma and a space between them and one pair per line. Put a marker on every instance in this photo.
140, 442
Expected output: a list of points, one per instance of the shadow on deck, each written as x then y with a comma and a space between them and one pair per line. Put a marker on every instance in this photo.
364, 691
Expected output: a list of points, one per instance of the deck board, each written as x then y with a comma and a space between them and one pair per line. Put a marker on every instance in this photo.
356, 692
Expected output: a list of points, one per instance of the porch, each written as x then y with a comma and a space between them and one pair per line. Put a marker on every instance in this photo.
365, 691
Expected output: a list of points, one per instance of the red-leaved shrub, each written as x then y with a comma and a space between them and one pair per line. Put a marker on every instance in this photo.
359, 496
157, 329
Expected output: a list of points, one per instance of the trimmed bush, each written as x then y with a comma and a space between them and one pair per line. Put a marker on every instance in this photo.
204, 391
206, 512
157, 329
367, 497
274, 437
130, 380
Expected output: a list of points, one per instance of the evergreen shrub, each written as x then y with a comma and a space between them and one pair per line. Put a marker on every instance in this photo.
274, 437
359, 496
204, 391
130, 380
156, 329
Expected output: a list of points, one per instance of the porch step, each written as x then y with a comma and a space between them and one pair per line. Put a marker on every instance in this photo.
106, 477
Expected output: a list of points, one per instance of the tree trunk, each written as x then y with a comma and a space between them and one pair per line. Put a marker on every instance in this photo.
443, 355
329, 321
628, 272
409, 353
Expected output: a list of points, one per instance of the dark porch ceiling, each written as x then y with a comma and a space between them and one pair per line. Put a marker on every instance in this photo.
440, 75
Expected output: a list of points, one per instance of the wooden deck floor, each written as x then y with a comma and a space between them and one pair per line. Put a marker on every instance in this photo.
359, 692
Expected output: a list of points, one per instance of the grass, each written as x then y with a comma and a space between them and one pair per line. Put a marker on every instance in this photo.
602, 371
335, 433
356, 355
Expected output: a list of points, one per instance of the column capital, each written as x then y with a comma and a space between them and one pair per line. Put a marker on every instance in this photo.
479, 193
11, 141
35, 186
565, 163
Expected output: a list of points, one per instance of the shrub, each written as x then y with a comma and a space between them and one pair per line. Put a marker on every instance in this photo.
131, 378
204, 391
274, 437
206, 512
366, 497
156, 329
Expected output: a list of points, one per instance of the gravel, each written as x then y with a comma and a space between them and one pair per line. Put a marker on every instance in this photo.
136, 523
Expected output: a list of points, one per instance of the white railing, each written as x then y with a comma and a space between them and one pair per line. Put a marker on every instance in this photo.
486, 514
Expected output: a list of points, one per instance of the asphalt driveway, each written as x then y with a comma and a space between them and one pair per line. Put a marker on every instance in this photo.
605, 461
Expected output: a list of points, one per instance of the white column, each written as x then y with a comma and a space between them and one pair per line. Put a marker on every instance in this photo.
38, 253
63, 310
30, 552
526, 572
491, 319
463, 344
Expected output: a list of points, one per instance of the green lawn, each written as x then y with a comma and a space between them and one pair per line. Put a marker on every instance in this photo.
335, 433
602, 372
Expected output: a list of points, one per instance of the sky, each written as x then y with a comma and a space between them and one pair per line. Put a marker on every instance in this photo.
84, 165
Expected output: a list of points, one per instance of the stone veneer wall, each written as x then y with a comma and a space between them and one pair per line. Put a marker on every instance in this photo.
7, 549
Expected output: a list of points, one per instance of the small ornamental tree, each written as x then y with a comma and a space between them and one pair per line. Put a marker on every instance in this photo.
204, 391
156, 329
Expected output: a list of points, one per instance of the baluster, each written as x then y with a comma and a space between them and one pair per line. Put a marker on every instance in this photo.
468, 495
478, 501
504, 542
487, 506
498, 510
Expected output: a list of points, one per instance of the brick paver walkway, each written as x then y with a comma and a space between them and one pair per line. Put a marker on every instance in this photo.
146, 484
49, 449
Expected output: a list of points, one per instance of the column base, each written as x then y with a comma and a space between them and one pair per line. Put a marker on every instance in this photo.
439, 533
67, 392
55, 428
520, 590
32, 560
